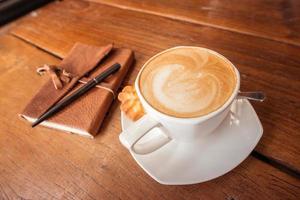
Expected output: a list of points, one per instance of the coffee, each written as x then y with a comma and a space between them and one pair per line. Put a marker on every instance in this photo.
187, 82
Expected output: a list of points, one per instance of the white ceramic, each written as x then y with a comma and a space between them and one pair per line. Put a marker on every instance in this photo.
179, 163
179, 129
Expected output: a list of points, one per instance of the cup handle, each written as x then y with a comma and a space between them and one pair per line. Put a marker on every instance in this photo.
138, 130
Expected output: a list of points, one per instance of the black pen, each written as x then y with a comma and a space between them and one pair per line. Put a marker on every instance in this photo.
69, 99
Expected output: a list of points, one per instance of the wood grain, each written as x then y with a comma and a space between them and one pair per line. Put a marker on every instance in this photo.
265, 65
42, 163
277, 20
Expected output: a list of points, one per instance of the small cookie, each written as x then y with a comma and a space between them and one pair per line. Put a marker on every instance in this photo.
130, 103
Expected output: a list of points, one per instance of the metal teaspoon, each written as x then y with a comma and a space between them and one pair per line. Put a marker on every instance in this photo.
256, 96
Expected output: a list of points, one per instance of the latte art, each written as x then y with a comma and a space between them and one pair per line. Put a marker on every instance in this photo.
187, 82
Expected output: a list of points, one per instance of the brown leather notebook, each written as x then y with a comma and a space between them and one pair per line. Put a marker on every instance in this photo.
85, 115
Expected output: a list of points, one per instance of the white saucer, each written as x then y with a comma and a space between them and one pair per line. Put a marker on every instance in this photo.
188, 163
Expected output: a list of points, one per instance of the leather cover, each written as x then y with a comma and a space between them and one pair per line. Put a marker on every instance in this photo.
85, 115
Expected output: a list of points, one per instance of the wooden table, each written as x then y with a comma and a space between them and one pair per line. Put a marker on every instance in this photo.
261, 37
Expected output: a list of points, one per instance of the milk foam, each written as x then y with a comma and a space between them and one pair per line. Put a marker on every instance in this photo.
181, 94
187, 82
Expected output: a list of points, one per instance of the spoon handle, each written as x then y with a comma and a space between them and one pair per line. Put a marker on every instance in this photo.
256, 96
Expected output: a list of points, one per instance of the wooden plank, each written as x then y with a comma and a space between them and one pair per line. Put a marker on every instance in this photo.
265, 65
42, 163
6, 28
277, 20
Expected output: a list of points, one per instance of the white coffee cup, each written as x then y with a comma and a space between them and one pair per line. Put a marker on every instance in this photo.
173, 128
